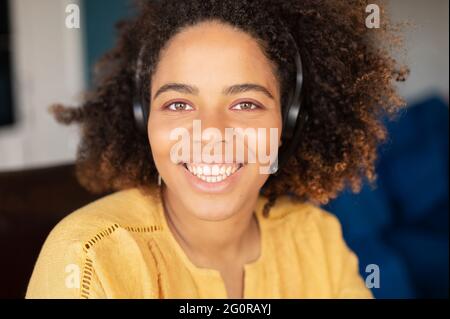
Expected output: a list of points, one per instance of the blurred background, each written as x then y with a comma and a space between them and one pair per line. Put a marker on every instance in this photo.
401, 225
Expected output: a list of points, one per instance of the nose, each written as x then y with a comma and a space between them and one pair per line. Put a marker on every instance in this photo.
213, 124
213, 118
209, 130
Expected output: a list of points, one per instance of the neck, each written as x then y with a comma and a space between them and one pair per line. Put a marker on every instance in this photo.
210, 244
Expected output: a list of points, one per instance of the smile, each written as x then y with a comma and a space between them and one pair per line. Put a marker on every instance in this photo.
213, 173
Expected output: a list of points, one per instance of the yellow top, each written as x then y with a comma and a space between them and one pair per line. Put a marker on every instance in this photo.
121, 247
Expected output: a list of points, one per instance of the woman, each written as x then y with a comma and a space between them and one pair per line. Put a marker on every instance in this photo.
182, 228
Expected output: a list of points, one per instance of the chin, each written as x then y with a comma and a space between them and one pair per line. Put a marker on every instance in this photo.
214, 209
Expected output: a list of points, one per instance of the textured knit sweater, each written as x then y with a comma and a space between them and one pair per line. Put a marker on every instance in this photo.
120, 246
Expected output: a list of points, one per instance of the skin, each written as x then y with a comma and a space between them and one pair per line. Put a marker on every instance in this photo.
216, 230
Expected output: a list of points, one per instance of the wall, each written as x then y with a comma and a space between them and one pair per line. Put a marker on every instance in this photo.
48, 68
427, 46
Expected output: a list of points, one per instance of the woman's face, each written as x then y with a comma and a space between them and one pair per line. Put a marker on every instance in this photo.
210, 59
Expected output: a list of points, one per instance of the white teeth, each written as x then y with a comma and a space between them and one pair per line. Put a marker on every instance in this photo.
213, 173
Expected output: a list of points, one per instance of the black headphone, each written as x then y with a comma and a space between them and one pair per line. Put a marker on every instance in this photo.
293, 118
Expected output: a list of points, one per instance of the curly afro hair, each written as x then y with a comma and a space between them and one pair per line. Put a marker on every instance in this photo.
349, 83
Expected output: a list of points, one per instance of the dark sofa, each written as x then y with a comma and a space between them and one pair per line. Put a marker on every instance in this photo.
31, 203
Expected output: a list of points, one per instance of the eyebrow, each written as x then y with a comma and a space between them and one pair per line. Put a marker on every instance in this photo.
231, 90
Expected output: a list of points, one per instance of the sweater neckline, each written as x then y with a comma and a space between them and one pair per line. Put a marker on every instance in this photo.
250, 268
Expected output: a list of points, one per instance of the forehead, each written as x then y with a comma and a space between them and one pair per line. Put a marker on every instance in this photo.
212, 53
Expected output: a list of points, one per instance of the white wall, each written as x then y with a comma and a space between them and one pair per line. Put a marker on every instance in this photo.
48, 68
427, 46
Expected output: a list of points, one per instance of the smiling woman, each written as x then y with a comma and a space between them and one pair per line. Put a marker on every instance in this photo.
222, 229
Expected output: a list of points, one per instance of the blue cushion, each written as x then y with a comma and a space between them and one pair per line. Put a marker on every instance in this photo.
402, 225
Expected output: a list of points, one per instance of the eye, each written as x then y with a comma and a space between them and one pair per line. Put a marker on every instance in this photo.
245, 106
179, 106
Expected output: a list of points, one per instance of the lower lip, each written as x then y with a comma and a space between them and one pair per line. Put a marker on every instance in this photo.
217, 187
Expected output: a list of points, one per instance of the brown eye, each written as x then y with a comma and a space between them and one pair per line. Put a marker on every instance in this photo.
245, 106
179, 106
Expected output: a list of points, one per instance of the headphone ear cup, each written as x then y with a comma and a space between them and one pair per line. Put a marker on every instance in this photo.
294, 104
139, 117
290, 117
139, 101
287, 103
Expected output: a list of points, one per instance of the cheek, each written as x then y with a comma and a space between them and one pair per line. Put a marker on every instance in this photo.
268, 139
267, 144
158, 136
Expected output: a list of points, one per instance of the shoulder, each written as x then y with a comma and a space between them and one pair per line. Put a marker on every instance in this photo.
318, 238
128, 209
303, 217
309, 228
84, 239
